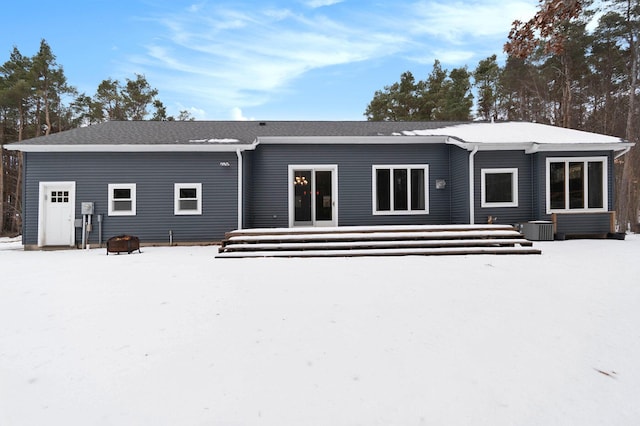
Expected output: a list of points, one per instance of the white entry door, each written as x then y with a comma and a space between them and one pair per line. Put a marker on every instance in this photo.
57, 211
313, 195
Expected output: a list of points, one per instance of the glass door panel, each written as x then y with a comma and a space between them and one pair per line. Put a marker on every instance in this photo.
324, 200
302, 190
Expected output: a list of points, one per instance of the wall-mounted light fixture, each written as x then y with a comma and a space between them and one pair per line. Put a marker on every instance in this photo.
441, 184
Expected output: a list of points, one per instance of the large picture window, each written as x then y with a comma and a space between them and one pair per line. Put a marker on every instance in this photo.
499, 187
122, 199
577, 184
187, 198
400, 189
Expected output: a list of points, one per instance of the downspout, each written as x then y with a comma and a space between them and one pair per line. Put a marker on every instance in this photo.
623, 152
240, 186
472, 207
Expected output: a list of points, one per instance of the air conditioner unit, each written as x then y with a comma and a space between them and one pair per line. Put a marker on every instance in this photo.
538, 230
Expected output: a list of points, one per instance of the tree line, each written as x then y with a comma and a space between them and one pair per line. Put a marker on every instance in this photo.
36, 99
560, 70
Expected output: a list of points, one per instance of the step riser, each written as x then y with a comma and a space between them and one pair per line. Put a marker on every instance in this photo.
382, 241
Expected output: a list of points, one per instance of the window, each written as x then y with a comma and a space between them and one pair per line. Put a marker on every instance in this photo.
59, 196
400, 189
499, 188
122, 199
187, 198
577, 184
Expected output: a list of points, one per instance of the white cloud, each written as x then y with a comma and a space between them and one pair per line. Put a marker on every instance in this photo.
237, 57
455, 21
196, 7
237, 115
197, 113
322, 3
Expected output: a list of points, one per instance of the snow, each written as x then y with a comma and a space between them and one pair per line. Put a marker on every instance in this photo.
174, 336
378, 235
516, 132
214, 140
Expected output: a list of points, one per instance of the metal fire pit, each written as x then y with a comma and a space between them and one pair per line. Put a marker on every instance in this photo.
123, 243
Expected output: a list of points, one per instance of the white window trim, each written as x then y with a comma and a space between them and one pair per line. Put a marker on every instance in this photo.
567, 160
111, 188
514, 187
392, 167
176, 199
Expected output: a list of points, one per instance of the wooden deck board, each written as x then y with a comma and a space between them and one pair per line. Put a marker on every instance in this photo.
376, 241
383, 252
376, 244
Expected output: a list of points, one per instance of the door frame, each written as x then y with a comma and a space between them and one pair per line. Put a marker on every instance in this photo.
333, 168
43, 191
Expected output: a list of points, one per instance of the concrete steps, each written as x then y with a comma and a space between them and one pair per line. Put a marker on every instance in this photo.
375, 241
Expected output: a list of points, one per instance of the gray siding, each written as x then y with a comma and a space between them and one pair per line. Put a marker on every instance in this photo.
505, 159
459, 185
578, 223
247, 188
154, 175
583, 224
269, 186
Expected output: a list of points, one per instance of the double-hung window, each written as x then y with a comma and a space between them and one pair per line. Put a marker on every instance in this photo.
187, 198
400, 189
576, 184
122, 199
499, 187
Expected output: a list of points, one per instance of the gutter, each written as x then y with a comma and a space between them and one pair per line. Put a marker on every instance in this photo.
240, 187
203, 147
623, 152
472, 207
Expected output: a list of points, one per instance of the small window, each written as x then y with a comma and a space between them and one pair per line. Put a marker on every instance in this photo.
400, 189
122, 199
59, 196
187, 198
499, 187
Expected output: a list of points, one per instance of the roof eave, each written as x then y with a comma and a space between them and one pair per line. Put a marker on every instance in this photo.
533, 147
131, 147
351, 140
555, 147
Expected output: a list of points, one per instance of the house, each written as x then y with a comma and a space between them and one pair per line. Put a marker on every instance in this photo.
189, 182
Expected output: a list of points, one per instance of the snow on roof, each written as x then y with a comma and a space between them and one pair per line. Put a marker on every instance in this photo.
515, 132
214, 140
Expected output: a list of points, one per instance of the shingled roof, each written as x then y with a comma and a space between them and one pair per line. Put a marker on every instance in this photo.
201, 132
242, 135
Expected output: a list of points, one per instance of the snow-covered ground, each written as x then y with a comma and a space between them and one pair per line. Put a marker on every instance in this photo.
173, 336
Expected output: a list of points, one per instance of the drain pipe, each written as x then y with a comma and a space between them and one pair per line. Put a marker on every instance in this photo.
620, 154
472, 206
99, 217
240, 184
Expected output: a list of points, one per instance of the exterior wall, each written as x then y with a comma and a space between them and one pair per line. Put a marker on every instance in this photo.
459, 185
247, 188
505, 159
574, 223
154, 175
270, 184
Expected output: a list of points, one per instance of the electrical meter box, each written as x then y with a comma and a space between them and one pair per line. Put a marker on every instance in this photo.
86, 207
